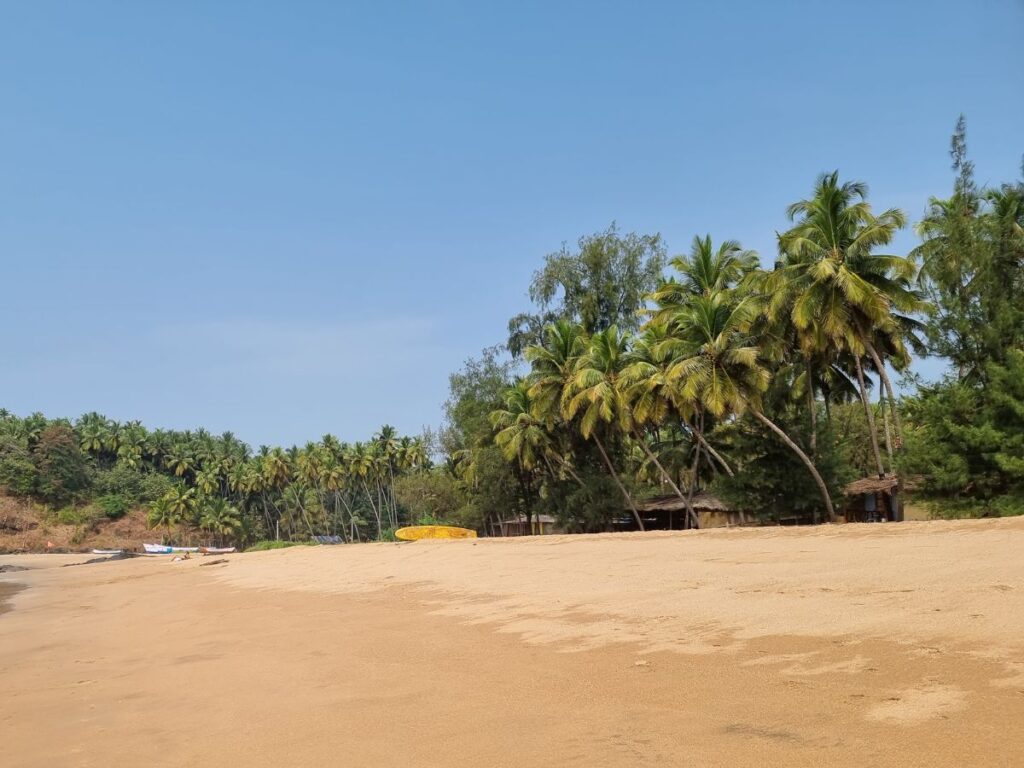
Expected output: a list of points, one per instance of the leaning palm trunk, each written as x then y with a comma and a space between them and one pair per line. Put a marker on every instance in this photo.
340, 495
812, 411
686, 501
699, 435
870, 414
804, 458
564, 465
376, 512
894, 496
884, 376
694, 473
887, 432
618, 482
266, 514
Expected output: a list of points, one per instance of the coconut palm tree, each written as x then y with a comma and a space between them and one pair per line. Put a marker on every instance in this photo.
552, 364
519, 434
722, 371
179, 459
706, 270
161, 515
593, 395
652, 398
92, 432
835, 289
182, 502
218, 517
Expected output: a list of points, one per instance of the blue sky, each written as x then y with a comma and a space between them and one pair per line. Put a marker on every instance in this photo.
287, 219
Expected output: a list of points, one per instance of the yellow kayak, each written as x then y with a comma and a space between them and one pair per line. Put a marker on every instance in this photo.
415, 532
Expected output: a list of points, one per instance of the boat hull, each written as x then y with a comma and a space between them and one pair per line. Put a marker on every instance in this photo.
163, 549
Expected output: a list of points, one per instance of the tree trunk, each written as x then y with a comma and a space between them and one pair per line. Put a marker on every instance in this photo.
872, 429
669, 480
525, 495
565, 465
376, 512
693, 481
804, 458
340, 496
885, 425
699, 434
812, 411
618, 482
884, 376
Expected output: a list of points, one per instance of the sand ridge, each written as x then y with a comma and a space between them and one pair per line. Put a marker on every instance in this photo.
934, 583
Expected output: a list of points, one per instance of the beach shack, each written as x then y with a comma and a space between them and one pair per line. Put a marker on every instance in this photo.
669, 512
873, 500
538, 525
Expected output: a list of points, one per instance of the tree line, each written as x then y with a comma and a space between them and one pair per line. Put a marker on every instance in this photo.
211, 487
771, 386
636, 374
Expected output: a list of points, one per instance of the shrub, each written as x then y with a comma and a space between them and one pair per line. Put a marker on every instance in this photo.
84, 516
136, 486
113, 505
17, 471
152, 486
430, 497
260, 546
62, 467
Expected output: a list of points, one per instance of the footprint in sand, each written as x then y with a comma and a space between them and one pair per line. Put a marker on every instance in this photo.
917, 705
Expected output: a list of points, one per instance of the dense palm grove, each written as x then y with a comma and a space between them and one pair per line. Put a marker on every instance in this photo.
771, 387
206, 487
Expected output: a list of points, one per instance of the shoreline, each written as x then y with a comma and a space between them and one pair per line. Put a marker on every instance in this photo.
8, 589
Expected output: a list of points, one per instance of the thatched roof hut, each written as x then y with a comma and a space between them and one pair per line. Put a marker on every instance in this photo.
873, 484
663, 512
702, 500
873, 499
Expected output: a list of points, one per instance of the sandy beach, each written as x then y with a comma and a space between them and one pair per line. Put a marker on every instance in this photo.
885, 645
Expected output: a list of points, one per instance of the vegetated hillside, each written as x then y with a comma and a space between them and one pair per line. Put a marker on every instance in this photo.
28, 527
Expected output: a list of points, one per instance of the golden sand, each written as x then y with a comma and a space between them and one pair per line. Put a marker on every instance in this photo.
884, 645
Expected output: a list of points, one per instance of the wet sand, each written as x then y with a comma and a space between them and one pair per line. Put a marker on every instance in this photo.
7, 591
838, 646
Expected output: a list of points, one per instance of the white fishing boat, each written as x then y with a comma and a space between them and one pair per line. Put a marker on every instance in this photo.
108, 551
216, 550
164, 549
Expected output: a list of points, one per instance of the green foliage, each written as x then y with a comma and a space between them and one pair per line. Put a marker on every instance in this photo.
80, 515
264, 545
604, 282
430, 498
638, 385
852, 437
966, 442
151, 486
770, 480
113, 505
474, 392
966, 435
61, 465
589, 506
218, 517
973, 268
18, 474
138, 486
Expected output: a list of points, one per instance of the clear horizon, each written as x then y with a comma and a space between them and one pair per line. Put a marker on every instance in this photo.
293, 221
